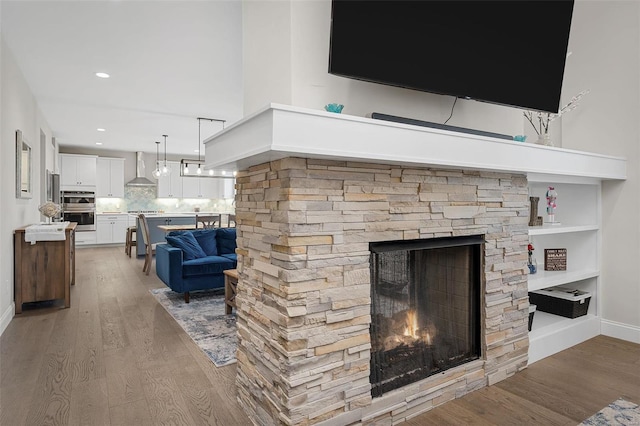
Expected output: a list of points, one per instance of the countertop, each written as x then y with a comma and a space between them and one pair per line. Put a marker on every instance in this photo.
165, 214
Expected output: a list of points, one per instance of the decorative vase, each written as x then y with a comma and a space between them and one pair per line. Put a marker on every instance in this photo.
544, 139
337, 108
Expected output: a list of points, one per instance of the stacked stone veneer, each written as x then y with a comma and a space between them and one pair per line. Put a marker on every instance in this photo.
304, 228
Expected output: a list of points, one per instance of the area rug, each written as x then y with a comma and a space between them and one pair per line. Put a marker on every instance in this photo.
619, 412
204, 320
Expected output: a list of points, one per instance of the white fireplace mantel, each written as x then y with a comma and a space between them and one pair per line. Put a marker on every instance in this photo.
280, 131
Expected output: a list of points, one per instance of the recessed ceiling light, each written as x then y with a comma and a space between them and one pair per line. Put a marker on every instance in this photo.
100, 129
98, 143
102, 75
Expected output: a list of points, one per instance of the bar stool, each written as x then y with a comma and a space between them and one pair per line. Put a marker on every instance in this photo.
130, 242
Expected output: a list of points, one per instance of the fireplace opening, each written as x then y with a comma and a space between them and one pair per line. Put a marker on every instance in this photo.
425, 308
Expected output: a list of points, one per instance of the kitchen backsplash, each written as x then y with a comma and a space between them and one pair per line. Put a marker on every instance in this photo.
144, 198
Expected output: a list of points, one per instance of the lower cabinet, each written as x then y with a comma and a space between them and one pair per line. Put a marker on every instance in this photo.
111, 229
44, 270
84, 238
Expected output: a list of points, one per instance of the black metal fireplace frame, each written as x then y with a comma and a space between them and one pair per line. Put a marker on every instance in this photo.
476, 243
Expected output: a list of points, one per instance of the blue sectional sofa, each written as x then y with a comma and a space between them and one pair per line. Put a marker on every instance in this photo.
195, 260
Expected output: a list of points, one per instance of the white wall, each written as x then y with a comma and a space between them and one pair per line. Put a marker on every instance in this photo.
19, 111
286, 60
605, 46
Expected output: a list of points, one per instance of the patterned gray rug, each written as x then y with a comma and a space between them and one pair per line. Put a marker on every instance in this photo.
204, 320
619, 412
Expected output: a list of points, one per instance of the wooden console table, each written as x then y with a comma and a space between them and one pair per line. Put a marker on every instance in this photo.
230, 289
44, 270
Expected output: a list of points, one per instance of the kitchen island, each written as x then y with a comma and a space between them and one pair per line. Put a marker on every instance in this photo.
157, 235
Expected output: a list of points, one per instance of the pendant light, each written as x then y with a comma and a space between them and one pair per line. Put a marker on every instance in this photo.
157, 173
165, 170
199, 171
200, 162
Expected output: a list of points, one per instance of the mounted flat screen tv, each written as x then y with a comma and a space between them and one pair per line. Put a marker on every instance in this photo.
506, 52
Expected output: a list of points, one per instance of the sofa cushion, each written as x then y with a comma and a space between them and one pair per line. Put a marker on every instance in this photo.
207, 240
231, 256
188, 244
206, 266
226, 238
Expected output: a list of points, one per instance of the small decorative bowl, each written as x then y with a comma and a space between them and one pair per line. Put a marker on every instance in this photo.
337, 108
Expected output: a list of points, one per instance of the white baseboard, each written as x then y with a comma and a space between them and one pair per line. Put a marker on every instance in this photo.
6, 317
619, 330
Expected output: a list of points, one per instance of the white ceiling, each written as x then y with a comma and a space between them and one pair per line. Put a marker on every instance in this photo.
170, 62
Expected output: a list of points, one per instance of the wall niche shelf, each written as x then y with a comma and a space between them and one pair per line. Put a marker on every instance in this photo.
579, 214
548, 229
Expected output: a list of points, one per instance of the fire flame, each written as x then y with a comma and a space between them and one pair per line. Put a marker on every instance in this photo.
411, 328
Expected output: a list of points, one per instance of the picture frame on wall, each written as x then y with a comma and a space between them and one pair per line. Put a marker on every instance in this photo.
24, 167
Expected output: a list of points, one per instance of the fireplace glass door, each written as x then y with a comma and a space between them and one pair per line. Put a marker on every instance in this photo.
425, 308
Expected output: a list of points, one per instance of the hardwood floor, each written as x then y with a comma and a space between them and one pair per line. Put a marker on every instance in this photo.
116, 357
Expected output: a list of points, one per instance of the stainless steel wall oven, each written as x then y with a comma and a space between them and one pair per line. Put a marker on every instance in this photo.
80, 207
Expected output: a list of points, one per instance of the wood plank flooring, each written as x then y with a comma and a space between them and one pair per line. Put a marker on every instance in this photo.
116, 357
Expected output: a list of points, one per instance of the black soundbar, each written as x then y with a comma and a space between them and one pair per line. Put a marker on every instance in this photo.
404, 120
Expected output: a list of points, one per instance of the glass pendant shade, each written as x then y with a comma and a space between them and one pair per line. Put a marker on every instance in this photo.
165, 170
156, 172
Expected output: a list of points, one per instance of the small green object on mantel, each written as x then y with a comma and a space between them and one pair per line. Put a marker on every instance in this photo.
337, 108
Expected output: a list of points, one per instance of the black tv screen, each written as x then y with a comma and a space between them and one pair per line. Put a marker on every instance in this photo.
507, 52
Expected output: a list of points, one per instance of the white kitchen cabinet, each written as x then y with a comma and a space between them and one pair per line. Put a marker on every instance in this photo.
84, 238
78, 172
170, 186
111, 229
228, 188
577, 229
110, 182
201, 187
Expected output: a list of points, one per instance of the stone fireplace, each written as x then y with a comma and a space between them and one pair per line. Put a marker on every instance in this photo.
306, 228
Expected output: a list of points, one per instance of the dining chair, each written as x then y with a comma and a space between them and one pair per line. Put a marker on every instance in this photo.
149, 248
231, 219
208, 221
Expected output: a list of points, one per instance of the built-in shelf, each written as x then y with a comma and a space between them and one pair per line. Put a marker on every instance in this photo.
543, 279
548, 229
553, 333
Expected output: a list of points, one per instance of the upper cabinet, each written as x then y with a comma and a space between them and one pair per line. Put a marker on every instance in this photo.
206, 187
228, 188
201, 187
170, 186
111, 182
78, 172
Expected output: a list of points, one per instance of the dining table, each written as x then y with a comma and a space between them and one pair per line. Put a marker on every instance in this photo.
184, 227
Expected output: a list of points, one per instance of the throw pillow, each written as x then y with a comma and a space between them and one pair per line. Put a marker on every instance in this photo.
207, 240
187, 242
226, 238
